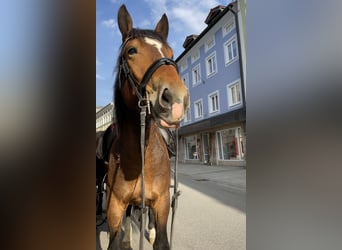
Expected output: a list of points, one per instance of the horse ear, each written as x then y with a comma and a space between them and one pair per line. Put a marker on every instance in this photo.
124, 21
162, 27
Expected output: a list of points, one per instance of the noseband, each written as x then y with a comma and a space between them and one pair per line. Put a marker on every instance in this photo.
140, 87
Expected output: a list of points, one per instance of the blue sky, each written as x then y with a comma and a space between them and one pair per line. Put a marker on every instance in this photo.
185, 18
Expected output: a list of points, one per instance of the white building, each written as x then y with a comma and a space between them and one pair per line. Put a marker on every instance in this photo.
104, 117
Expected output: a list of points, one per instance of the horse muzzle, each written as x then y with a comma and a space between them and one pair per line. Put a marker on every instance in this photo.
171, 107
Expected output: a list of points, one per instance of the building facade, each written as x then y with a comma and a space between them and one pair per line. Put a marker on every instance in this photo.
212, 66
104, 117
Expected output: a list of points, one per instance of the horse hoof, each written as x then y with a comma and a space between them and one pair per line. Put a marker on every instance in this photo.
152, 235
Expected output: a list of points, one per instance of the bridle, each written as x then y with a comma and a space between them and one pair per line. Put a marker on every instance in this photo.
143, 104
140, 87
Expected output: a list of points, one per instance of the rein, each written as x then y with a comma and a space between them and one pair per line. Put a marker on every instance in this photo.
144, 104
176, 192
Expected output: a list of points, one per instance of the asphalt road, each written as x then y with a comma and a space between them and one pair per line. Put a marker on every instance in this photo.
211, 210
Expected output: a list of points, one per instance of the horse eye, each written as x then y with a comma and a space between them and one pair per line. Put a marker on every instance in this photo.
132, 51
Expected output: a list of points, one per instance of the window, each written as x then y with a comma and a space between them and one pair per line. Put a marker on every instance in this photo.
228, 27
213, 100
191, 151
198, 107
230, 51
196, 75
234, 96
228, 144
211, 64
210, 43
195, 56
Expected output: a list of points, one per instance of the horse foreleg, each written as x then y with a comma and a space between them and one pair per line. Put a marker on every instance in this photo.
115, 211
161, 210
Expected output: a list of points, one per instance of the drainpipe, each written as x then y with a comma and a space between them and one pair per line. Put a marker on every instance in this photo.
230, 7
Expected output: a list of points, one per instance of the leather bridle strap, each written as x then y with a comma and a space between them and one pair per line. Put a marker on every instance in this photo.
140, 88
147, 76
142, 146
176, 193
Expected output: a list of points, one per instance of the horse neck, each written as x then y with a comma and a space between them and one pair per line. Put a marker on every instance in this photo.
129, 127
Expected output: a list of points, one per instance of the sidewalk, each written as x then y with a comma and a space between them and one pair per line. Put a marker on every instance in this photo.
228, 176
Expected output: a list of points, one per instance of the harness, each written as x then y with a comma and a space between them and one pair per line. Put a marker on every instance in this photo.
144, 104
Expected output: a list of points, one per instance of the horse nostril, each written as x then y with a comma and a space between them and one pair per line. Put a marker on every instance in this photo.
166, 98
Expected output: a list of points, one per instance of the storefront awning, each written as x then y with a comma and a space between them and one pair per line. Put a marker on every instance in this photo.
238, 115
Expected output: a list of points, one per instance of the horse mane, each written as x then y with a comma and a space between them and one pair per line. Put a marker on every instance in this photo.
118, 102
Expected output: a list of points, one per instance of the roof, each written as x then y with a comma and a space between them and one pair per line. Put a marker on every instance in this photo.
188, 40
213, 20
213, 13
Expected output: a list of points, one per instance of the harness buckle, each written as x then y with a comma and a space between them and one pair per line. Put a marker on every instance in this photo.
145, 103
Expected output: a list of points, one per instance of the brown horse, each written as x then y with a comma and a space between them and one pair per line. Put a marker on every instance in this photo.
147, 76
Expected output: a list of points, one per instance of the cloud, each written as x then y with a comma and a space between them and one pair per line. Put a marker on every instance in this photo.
183, 15
145, 24
110, 23
99, 77
189, 19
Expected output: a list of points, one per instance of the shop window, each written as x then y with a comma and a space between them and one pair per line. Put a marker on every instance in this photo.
228, 144
191, 151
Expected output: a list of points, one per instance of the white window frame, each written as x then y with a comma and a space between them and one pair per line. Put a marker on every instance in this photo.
228, 27
198, 111
213, 59
209, 43
197, 68
232, 91
227, 47
210, 102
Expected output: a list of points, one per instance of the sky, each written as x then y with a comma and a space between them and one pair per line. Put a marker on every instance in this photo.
185, 18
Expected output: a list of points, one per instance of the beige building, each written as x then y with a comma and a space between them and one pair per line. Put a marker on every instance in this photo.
104, 116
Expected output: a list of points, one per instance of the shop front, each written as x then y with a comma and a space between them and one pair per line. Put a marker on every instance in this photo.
211, 143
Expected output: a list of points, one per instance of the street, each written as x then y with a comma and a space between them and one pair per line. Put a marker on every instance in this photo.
211, 210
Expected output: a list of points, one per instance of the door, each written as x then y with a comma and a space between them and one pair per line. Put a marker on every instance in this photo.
206, 150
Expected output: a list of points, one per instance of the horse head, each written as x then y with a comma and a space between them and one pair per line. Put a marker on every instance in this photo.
146, 63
